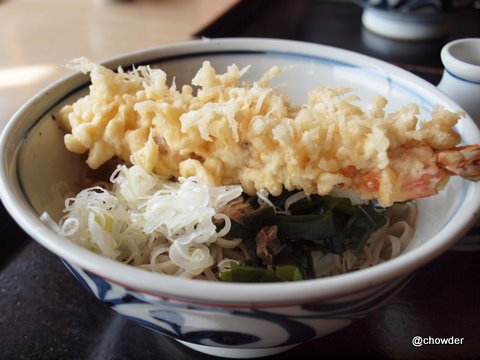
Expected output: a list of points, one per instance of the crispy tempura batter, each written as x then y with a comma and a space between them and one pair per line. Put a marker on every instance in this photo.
230, 132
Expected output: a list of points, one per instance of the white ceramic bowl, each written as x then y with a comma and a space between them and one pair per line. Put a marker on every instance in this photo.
409, 19
233, 320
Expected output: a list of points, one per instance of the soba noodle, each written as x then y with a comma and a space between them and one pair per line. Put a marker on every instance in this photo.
172, 227
386, 243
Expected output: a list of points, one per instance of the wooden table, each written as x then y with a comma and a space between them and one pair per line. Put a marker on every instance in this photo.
37, 37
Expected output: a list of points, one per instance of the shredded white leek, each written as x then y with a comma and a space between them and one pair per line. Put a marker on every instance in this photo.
144, 218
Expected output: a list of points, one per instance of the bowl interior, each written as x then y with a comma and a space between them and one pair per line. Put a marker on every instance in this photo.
48, 173
37, 170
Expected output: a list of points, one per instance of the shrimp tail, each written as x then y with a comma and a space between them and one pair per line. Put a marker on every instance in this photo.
416, 172
462, 161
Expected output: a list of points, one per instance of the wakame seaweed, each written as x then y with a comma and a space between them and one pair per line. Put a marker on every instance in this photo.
315, 223
256, 274
338, 225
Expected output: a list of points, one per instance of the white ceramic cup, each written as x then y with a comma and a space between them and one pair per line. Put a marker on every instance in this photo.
461, 82
461, 77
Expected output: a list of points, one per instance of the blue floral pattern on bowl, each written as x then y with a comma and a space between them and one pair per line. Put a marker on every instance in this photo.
202, 324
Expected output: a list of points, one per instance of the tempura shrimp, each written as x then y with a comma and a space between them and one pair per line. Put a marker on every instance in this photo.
226, 131
415, 172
